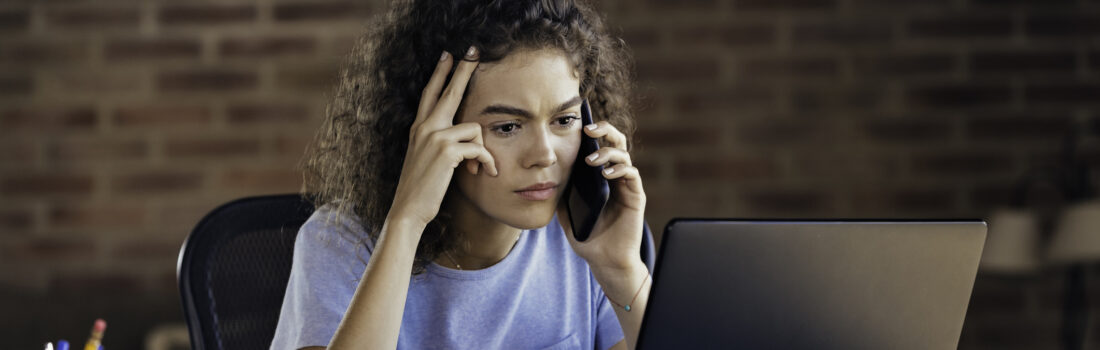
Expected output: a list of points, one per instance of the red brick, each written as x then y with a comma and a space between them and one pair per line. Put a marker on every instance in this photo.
846, 33
68, 283
63, 151
680, 5
989, 196
726, 168
789, 67
770, 133
792, 202
260, 47
1061, 26
905, 201
876, 6
921, 64
726, 100
158, 116
208, 14
144, 251
959, 27
1061, 93
320, 11
126, 50
42, 52
157, 182
729, 35
679, 70
844, 165
93, 17
266, 113
1012, 128
312, 78
662, 137
12, 20
207, 80
48, 119
18, 152
1026, 3
20, 84
906, 130
293, 146
959, 95
962, 163
785, 5
47, 184
268, 180
55, 249
16, 218
641, 37
211, 147
87, 82
817, 99
96, 216
1016, 62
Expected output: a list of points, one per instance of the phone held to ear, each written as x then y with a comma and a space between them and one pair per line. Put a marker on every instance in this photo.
588, 189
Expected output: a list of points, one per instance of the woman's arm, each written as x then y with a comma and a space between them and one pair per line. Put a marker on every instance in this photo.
373, 319
436, 148
621, 285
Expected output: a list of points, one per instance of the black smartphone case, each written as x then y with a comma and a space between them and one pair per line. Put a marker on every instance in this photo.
588, 189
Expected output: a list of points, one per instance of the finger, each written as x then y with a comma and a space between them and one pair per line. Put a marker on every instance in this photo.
608, 155
468, 132
431, 91
608, 132
629, 173
445, 109
468, 150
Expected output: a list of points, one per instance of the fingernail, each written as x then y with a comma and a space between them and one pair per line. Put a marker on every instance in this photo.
593, 157
471, 52
591, 126
443, 56
609, 171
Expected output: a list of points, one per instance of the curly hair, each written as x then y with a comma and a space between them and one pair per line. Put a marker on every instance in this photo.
354, 162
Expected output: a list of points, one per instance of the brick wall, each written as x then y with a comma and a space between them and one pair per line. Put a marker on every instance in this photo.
123, 122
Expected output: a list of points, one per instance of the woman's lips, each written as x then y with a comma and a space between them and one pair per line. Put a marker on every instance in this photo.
538, 195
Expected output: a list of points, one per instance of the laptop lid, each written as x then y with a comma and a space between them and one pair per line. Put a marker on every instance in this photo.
822, 284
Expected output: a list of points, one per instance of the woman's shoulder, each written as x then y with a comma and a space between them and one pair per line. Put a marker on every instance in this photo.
331, 228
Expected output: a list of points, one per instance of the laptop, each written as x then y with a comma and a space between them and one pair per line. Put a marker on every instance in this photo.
812, 284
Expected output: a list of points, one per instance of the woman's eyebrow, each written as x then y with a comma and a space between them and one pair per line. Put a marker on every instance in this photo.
504, 109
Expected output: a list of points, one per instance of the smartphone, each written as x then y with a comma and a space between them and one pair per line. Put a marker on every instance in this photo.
587, 188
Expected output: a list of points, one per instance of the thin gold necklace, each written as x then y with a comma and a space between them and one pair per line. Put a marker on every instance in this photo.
453, 261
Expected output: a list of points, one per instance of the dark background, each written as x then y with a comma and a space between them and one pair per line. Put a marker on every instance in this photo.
123, 122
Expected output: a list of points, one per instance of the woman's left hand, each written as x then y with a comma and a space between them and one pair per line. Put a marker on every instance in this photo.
616, 237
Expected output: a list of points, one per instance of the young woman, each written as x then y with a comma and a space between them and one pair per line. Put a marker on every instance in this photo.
440, 174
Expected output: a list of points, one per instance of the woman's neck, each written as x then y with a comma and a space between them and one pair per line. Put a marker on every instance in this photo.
484, 241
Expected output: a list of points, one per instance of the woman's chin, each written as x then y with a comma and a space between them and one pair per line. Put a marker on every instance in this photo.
529, 221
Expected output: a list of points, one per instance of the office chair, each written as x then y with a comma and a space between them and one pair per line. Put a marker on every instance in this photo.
234, 267
233, 270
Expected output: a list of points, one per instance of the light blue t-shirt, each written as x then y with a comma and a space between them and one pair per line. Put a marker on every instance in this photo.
540, 296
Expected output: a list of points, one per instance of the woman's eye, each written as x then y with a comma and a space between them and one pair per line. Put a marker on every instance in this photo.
505, 129
567, 120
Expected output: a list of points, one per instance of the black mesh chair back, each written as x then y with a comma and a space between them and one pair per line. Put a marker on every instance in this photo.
233, 270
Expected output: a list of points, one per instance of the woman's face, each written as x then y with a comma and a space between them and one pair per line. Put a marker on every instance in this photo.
529, 110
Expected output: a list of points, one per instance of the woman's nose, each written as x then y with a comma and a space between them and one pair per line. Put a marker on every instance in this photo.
540, 151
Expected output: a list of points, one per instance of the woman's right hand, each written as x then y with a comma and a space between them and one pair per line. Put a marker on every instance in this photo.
437, 146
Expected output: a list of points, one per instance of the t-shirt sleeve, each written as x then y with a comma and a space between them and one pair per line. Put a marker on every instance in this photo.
608, 330
329, 259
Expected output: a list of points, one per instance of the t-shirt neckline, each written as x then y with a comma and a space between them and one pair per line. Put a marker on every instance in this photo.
487, 272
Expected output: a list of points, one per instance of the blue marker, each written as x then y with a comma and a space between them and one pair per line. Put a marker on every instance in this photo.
62, 345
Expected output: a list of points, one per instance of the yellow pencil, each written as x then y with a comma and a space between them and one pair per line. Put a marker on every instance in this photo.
97, 335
